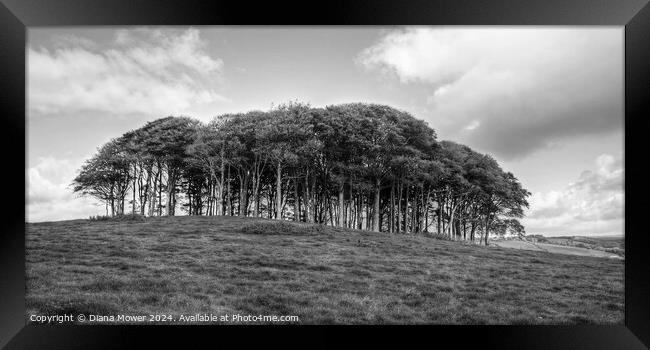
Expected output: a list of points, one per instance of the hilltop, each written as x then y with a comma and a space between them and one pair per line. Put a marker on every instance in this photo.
229, 265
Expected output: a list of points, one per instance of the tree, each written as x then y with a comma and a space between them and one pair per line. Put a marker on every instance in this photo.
105, 177
281, 136
364, 166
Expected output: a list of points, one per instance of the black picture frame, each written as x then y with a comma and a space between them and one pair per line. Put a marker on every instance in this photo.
17, 15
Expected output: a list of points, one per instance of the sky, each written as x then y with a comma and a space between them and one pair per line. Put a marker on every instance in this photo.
545, 102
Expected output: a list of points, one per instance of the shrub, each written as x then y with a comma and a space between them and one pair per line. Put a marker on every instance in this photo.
121, 217
280, 228
440, 236
129, 217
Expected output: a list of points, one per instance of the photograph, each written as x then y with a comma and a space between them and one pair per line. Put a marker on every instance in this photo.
318, 175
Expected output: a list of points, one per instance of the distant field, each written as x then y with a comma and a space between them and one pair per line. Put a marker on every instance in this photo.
599, 241
226, 265
555, 248
603, 246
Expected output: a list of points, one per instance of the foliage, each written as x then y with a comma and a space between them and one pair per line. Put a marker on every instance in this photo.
281, 228
121, 217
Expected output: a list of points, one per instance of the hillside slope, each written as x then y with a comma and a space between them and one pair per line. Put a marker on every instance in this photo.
227, 265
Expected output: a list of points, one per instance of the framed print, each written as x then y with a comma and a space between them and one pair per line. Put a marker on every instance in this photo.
466, 172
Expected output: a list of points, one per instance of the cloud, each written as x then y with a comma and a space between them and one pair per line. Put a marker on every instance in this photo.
528, 87
49, 196
67, 40
145, 71
593, 204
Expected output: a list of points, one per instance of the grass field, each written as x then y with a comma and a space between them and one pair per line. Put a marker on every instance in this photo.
556, 248
598, 245
226, 265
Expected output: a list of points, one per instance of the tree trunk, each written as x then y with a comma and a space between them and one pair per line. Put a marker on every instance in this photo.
423, 206
341, 220
438, 216
146, 193
170, 192
278, 189
358, 212
160, 190
399, 207
452, 222
391, 219
243, 194
313, 200
152, 195
152, 192
228, 208
329, 210
443, 211
189, 202
375, 219
256, 197
406, 212
207, 203
112, 201
464, 229
472, 231
270, 201
368, 216
414, 212
307, 199
426, 211
135, 170
221, 184
296, 201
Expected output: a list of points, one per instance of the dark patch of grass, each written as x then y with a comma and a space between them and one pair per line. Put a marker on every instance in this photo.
120, 217
282, 228
227, 265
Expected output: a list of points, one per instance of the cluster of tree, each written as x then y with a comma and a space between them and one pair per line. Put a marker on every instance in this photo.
363, 166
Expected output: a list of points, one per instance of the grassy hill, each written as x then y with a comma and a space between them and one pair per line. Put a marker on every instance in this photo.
227, 265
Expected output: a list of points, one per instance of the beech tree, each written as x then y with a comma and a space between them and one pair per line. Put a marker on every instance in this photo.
105, 177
